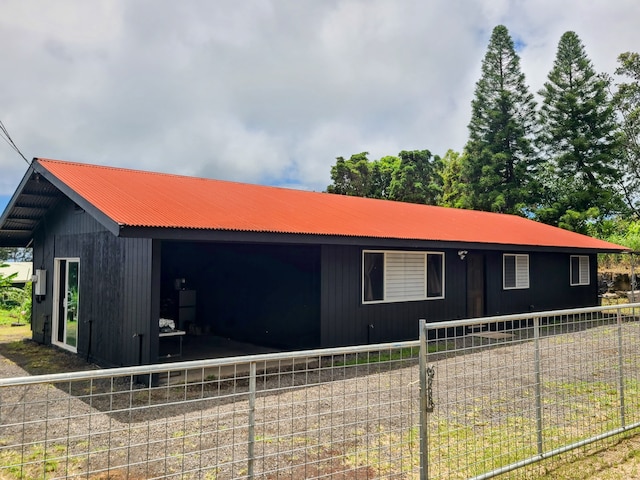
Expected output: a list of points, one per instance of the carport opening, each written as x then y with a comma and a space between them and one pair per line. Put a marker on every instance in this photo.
226, 295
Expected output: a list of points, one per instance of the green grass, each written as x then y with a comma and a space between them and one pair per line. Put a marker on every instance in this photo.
7, 317
391, 355
34, 462
13, 326
473, 442
379, 356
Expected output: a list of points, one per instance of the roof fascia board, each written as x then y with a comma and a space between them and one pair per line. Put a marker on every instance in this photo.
290, 238
96, 213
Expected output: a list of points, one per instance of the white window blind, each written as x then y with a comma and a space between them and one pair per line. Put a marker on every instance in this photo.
405, 276
580, 270
515, 271
522, 271
401, 276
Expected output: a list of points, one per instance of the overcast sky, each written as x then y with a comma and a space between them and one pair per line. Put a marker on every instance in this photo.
266, 91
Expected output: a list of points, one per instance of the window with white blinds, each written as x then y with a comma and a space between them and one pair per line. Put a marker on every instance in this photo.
406, 276
400, 276
580, 270
515, 271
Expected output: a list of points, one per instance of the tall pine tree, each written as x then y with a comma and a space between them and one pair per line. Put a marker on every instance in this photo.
627, 104
499, 155
579, 139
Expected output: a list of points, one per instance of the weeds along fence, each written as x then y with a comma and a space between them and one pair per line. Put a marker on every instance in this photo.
471, 399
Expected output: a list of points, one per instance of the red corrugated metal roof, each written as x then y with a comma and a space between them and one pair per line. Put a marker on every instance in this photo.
147, 199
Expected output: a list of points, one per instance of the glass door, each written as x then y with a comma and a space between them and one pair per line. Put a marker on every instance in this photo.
67, 301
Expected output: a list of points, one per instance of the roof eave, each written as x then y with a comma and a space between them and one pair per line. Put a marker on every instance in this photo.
187, 234
7, 242
16, 237
110, 224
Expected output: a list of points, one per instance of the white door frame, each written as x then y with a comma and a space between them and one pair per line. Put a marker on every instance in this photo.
60, 334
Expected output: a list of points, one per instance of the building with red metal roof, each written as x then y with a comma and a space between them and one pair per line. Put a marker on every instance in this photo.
116, 250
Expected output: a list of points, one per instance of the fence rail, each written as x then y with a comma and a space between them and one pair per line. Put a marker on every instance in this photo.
513, 390
497, 394
350, 413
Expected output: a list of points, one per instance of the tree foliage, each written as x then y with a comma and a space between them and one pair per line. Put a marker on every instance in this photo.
453, 187
417, 178
15, 254
413, 176
5, 278
500, 159
626, 101
352, 176
579, 141
573, 163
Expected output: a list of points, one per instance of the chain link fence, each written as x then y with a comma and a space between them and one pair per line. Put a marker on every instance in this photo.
497, 394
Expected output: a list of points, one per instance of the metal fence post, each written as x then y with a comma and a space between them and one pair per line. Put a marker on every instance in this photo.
538, 380
252, 419
424, 438
623, 420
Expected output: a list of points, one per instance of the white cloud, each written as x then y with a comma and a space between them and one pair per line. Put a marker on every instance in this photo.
266, 91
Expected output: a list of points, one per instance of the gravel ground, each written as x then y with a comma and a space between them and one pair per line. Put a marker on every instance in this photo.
350, 421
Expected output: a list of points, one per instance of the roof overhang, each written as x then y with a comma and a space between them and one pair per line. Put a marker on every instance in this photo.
38, 192
30, 202
227, 236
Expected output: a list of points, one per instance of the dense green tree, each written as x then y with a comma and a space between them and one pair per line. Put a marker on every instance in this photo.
627, 104
381, 176
413, 176
499, 155
417, 178
579, 141
352, 176
15, 254
453, 187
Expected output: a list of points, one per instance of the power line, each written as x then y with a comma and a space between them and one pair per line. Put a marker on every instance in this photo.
4, 133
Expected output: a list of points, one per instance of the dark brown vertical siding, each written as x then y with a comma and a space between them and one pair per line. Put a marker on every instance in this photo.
101, 296
340, 297
115, 285
156, 272
41, 308
140, 330
346, 321
70, 232
256, 293
549, 285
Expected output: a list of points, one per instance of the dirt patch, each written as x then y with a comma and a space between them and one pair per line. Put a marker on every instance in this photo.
22, 356
12, 333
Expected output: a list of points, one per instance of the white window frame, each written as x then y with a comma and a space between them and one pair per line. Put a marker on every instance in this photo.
405, 276
521, 274
584, 274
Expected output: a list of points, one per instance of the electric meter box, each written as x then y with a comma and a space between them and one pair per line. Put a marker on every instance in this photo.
40, 282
